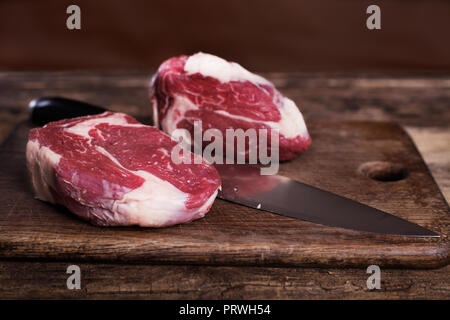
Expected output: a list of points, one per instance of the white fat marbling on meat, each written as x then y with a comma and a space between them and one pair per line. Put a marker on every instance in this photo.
176, 113
210, 65
155, 203
41, 162
290, 125
83, 128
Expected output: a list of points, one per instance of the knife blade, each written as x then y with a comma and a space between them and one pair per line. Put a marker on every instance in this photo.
244, 185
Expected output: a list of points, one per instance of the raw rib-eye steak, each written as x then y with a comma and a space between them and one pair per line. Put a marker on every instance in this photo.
224, 95
112, 170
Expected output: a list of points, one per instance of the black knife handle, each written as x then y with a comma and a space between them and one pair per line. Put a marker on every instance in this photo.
47, 109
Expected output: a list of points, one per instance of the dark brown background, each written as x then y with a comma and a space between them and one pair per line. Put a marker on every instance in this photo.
262, 35
277, 37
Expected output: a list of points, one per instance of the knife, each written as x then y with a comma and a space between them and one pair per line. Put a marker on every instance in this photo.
244, 185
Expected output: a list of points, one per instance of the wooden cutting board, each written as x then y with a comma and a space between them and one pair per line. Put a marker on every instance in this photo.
235, 235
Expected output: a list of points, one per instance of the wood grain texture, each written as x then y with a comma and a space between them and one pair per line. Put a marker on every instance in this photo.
434, 145
235, 235
419, 101
413, 100
31, 280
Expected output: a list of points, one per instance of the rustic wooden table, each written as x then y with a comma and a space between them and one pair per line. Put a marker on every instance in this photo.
419, 102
